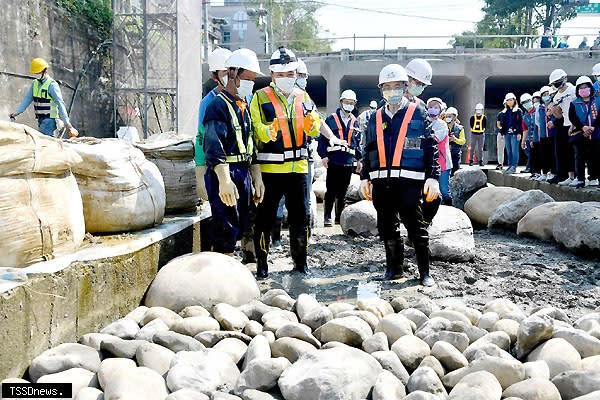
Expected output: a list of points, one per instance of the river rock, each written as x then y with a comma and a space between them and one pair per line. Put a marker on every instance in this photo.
339, 307
204, 279
572, 384
234, 347
395, 326
353, 194
258, 349
537, 369
366, 316
138, 383
317, 317
210, 338
577, 228
94, 340
194, 311
290, 348
359, 219
474, 333
167, 316
450, 357
390, 361
79, 378
584, 343
150, 329
89, 393
479, 385
256, 309
502, 307
285, 302
204, 371
121, 348
229, 317
253, 328
421, 395
110, 368
379, 307
488, 320
137, 314
217, 395
388, 387
305, 304
485, 348
451, 235
434, 325
425, 379
298, 331
532, 331
261, 374
155, 357
591, 363
509, 326
192, 326
268, 296
538, 223
456, 339
279, 314
319, 187
377, 342
500, 339
251, 394
558, 354
400, 303
349, 330
187, 394
63, 357
508, 214
177, 342
591, 396
588, 322
450, 315
533, 389
434, 364
464, 184
124, 328
411, 350
337, 373
485, 201
507, 372
425, 305
415, 316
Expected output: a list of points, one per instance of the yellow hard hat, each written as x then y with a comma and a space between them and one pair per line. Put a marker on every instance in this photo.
38, 65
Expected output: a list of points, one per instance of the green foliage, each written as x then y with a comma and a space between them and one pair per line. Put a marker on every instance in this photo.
97, 12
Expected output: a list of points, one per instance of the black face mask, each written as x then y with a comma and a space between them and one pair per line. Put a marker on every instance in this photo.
558, 84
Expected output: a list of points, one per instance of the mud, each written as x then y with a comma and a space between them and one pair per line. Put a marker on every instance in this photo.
528, 272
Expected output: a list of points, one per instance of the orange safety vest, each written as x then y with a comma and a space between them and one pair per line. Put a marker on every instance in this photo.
477, 124
282, 117
339, 126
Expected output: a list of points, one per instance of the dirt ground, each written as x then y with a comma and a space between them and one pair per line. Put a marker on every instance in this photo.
528, 272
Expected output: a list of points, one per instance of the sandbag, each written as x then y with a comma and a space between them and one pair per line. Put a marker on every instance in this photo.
174, 156
41, 211
120, 189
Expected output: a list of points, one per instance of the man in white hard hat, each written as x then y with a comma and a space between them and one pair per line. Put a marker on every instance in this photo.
478, 125
283, 116
565, 161
419, 73
233, 182
339, 159
399, 168
218, 74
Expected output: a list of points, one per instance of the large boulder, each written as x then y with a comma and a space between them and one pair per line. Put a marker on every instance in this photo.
62, 358
483, 203
204, 279
337, 373
359, 219
559, 354
578, 228
508, 214
319, 187
353, 194
464, 184
572, 384
451, 235
538, 223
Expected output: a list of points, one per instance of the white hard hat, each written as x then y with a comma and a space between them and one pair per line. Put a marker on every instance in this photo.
536, 94
348, 95
509, 96
582, 80
373, 104
545, 89
217, 58
596, 70
392, 73
244, 58
435, 99
479, 106
556, 75
283, 60
452, 110
525, 97
302, 67
420, 70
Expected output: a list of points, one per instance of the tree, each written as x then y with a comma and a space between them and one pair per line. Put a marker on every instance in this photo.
293, 24
515, 17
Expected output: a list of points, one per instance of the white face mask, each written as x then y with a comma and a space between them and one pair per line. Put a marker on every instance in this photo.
301, 82
393, 96
224, 79
449, 119
478, 112
245, 88
416, 90
286, 85
348, 107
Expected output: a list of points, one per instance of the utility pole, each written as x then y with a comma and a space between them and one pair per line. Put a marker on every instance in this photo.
271, 26
206, 28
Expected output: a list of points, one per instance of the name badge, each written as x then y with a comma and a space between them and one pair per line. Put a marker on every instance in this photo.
412, 143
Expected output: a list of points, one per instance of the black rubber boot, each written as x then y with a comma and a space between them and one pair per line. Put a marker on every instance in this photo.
394, 259
447, 202
276, 233
261, 249
422, 254
262, 268
299, 250
339, 207
327, 209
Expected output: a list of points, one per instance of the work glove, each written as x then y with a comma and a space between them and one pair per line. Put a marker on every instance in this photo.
365, 189
440, 129
200, 184
72, 132
309, 122
325, 162
227, 190
257, 183
274, 129
431, 190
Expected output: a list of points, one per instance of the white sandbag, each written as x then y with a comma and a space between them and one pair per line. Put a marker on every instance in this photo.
120, 189
41, 212
174, 156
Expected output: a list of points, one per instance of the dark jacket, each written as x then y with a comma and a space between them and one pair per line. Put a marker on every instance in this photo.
511, 122
338, 155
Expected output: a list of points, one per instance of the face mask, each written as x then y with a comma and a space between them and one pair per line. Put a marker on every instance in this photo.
348, 107
433, 111
393, 96
478, 112
224, 79
449, 119
559, 84
286, 85
585, 92
546, 99
301, 82
528, 105
245, 88
416, 90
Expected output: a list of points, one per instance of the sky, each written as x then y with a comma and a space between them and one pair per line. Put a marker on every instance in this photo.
444, 18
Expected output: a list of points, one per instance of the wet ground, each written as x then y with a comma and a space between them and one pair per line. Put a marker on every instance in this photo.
528, 272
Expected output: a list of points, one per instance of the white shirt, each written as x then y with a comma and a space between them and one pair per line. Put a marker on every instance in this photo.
403, 104
563, 100
345, 119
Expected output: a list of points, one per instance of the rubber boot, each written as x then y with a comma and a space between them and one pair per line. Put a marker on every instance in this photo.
422, 253
447, 202
261, 249
327, 209
247, 244
276, 234
394, 259
299, 250
339, 207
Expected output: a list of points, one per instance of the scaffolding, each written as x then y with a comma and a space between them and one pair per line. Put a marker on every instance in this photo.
145, 65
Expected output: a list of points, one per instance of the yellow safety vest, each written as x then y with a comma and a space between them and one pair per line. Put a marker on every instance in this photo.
43, 103
477, 124
245, 151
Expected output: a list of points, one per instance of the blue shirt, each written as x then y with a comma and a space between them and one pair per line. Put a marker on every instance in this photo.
199, 148
55, 93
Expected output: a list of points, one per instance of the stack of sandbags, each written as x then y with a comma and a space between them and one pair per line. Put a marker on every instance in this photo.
174, 156
40, 205
121, 190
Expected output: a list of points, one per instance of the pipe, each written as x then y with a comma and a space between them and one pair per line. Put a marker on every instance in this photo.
29, 77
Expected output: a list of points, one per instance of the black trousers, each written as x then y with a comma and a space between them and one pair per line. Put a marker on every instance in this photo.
455, 152
545, 155
338, 180
563, 153
534, 158
582, 149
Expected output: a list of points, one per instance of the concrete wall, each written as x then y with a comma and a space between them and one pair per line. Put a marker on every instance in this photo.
37, 28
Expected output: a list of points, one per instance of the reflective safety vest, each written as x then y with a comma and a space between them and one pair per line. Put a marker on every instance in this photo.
407, 158
289, 147
477, 124
43, 103
245, 151
339, 147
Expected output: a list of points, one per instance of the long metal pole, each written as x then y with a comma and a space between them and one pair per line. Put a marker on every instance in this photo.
146, 49
206, 30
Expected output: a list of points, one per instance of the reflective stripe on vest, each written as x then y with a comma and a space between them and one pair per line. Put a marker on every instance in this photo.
341, 148
341, 131
43, 103
283, 119
245, 151
397, 156
477, 124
